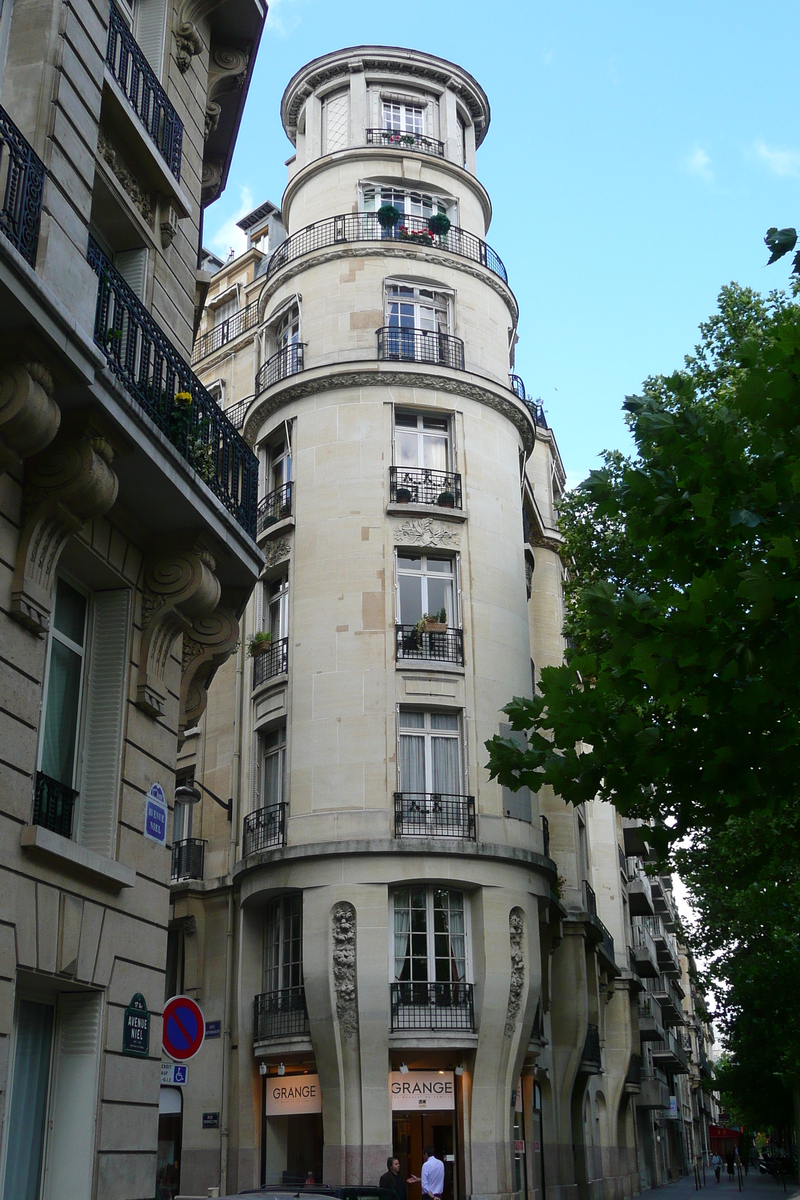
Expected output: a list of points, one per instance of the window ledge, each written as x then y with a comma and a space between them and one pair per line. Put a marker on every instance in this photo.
271, 531
274, 681
74, 859
432, 1039
429, 666
426, 510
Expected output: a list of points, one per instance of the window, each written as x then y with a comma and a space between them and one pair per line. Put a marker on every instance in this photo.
404, 118
429, 752
283, 958
430, 939
411, 204
272, 767
287, 332
283, 349
83, 707
336, 120
409, 307
176, 960
422, 440
277, 607
426, 583
417, 327
223, 312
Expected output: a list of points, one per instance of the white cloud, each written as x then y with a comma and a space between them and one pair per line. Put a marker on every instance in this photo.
699, 163
282, 18
780, 162
228, 236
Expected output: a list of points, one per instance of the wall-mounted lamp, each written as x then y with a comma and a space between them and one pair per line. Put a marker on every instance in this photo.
459, 1070
262, 1068
403, 1069
281, 1069
188, 793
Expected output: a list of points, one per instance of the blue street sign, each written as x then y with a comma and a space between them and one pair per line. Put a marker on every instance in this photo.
155, 815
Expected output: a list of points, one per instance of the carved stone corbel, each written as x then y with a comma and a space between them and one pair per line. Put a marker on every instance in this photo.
227, 71
206, 646
186, 33
167, 225
65, 486
211, 181
179, 588
29, 416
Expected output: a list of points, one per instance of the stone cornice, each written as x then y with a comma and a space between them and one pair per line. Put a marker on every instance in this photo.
376, 374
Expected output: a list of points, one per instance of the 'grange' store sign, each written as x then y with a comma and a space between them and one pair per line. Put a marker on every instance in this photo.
421, 1091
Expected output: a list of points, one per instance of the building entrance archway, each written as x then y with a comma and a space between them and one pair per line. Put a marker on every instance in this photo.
411, 1132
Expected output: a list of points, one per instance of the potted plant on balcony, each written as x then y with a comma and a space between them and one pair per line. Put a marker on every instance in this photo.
439, 225
446, 499
388, 216
420, 237
403, 495
433, 622
259, 643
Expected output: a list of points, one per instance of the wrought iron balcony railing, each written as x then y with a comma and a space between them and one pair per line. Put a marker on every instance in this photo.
607, 945
434, 814
589, 898
264, 829
414, 644
545, 836
187, 859
535, 407
271, 662
287, 361
22, 182
53, 803
226, 331
518, 387
591, 1056
400, 139
280, 1014
432, 1006
365, 227
419, 485
155, 376
420, 345
236, 413
274, 507
143, 92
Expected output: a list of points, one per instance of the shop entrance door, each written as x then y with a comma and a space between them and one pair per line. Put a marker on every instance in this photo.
411, 1132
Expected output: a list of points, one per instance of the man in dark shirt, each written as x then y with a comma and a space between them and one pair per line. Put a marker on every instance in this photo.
392, 1182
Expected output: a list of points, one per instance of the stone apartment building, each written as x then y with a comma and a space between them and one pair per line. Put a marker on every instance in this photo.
393, 950
128, 506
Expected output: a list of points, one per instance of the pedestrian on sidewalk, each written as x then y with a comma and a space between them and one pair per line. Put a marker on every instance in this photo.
432, 1174
716, 1163
729, 1162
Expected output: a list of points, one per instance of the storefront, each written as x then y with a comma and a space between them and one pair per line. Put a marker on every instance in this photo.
424, 1114
170, 1123
292, 1136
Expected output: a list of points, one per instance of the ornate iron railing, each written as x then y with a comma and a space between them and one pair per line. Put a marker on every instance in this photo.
432, 1006
143, 92
153, 373
434, 814
518, 387
287, 361
187, 859
272, 661
226, 331
365, 227
236, 413
420, 345
280, 1014
399, 139
418, 485
536, 409
589, 898
420, 645
591, 1055
264, 828
53, 803
22, 182
274, 507
546, 836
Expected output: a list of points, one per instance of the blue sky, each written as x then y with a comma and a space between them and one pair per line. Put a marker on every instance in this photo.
636, 156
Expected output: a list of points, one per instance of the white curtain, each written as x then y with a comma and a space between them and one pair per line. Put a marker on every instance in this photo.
402, 937
61, 713
412, 763
445, 763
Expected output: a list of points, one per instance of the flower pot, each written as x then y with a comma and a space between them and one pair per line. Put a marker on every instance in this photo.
446, 500
403, 496
259, 648
435, 627
286, 511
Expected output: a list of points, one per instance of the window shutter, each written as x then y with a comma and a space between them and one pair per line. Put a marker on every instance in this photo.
102, 740
337, 119
516, 804
132, 266
151, 22
73, 1104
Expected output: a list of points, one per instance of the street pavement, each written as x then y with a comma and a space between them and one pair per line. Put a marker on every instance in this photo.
755, 1186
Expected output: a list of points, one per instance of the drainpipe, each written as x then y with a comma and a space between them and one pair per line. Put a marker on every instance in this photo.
236, 790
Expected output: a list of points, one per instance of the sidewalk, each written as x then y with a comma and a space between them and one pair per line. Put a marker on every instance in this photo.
755, 1186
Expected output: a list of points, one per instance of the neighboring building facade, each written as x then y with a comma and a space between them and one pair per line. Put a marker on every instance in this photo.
395, 950
128, 553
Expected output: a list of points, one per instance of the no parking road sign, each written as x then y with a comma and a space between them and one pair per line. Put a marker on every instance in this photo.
184, 1028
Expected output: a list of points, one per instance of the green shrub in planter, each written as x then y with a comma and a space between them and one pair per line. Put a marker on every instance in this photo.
439, 224
403, 495
259, 643
388, 216
446, 500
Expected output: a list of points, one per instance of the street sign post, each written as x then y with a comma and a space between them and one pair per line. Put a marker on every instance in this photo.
184, 1028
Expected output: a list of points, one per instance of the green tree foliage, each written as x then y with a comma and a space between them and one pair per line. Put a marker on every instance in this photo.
680, 698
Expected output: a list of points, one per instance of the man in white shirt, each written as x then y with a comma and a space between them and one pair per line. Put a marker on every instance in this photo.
432, 1177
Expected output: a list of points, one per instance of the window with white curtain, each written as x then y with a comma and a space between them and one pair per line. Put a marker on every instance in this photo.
283, 944
405, 118
421, 440
426, 583
409, 203
429, 752
430, 935
272, 767
276, 595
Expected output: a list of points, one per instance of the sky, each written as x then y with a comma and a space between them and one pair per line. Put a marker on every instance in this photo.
637, 154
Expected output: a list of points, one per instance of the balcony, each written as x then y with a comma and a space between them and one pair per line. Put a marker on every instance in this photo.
589, 899
365, 227
264, 829
650, 1025
645, 955
226, 331
418, 1006
276, 506
144, 93
419, 485
397, 344
157, 379
670, 998
634, 834
654, 1093
670, 1055
22, 183
640, 896
415, 645
545, 837
289, 360
666, 949
535, 407
271, 662
661, 886
399, 139
434, 814
279, 1015
53, 803
187, 859
606, 948
591, 1058
633, 1077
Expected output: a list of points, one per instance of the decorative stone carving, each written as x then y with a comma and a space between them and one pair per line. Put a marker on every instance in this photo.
209, 643
275, 551
211, 121
180, 588
528, 576
211, 180
343, 920
516, 932
29, 416
227, 72
186, 34
66, 485
426, 532
112, 158
168, 225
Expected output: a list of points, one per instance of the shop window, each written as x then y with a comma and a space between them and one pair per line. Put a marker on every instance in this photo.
430, 935
283, 958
